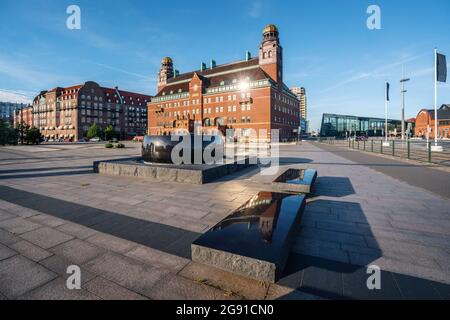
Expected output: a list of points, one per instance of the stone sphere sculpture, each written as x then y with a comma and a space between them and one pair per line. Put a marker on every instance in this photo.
158, 149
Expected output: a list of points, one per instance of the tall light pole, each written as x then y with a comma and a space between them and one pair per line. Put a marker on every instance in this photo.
402, 81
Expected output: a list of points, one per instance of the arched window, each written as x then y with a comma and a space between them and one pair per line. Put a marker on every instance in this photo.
270, 54
264, 55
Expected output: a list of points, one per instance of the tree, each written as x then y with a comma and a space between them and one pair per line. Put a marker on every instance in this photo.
33, 136
109, 133
8, 135
22, 130
93, 131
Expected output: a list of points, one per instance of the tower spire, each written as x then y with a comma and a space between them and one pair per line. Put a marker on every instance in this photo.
166, 72
271, 53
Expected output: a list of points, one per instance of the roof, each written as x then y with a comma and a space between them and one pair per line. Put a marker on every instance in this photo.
126, 94
217, 69
443, 112
64, 92
214, 77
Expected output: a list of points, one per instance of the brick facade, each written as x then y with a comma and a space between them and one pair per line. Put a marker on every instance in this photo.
24, 116
67, 113
242, 95
425, 123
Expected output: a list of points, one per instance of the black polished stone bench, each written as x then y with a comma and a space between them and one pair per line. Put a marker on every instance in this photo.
255, 240
296, 180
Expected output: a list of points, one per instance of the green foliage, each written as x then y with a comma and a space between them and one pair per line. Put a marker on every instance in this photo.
93, 131
22, 130
110, 133
8, 135
120, 146
33, 136
109, 145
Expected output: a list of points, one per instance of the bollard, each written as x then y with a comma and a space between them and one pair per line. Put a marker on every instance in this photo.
357, 144
371, 147
364, 145
393, 148
349, 143
429, 151
408, 144
381, 149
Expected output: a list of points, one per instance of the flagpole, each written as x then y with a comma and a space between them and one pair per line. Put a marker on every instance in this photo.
385, 112
435, 99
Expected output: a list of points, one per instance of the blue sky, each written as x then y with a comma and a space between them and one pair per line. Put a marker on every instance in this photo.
327, 46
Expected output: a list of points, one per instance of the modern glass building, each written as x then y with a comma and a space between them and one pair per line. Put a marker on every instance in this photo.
335, 125
7, 110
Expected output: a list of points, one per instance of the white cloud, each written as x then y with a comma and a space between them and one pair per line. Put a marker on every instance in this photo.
121, 70
378, 72
15, 96
24, 74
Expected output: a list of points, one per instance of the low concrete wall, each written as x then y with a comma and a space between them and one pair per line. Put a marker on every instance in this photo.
193, 174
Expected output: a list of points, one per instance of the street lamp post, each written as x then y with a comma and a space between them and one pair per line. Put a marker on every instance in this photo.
403, 91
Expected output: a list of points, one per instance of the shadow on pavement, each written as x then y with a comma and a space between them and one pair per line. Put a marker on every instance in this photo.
158, 236
46, 174
332, 187
8, 171
335, 280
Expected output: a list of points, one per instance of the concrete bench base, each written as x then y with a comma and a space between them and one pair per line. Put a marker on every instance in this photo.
193, 174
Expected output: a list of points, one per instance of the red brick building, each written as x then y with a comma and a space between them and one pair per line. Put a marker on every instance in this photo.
425, 122
24, 116
67, 113
242, 95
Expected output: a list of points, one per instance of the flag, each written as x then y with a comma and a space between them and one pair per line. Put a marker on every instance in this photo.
441, 67
387, 91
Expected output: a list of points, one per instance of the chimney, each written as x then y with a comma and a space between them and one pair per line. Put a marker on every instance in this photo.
248, 55
213, 63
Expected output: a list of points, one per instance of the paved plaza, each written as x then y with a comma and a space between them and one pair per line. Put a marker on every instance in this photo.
131, 237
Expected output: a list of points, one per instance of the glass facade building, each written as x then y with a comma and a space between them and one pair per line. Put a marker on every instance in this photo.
7, 110
335, 125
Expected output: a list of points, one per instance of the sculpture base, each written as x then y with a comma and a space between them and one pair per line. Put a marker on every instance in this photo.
186, 173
